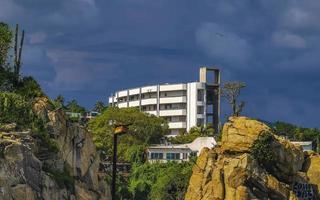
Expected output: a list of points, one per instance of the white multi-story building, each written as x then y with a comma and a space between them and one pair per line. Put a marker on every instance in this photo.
184, 105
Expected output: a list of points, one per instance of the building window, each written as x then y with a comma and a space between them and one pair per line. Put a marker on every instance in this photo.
200, 95
200, 110
156, 156
185, 156
173, 156
193, 154
200, 121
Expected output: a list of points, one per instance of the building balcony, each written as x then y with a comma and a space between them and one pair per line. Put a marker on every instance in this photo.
154, 112
177, 125
177, 112
122, 93
148, 101
134, 103
173, 87
134, 91
166, 100
123, 105
148, 89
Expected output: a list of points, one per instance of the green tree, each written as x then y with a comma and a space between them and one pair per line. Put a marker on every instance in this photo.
6, 36
14, 108
197, 131
160, 181
29, 88
73, 106
99, 106
145, 129
59, 101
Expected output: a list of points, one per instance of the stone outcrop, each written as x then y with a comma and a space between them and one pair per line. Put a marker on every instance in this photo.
231, 171
59, 163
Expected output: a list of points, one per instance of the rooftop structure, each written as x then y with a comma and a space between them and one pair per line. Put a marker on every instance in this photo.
306, 145
184, 105
179, 152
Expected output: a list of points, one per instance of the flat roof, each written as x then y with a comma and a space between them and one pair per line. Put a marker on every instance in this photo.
160, 84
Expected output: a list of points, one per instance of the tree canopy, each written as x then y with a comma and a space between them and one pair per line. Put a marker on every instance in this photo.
194, 132
73, 106
145, 129
160, 181
6, 36
99, 106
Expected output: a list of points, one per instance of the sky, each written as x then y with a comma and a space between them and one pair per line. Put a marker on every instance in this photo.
87, 49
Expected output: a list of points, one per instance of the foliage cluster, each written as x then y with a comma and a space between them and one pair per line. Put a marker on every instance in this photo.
294, 132
160, 181
144, 129
5, 42
261, 150
198, 131
15, 108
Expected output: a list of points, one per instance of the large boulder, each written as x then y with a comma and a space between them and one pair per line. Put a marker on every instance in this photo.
312, 168
232, 172
239, 133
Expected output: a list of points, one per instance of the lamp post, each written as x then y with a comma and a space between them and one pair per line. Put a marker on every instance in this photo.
118, 130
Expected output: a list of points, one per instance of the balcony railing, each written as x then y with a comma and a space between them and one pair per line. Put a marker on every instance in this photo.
177, 125
175, 112
181, 99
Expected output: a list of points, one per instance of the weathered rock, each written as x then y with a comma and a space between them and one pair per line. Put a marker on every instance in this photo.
230, 172
13, 152
22, 192
312, 166
289, 158
239, 133
8, 127
61, 165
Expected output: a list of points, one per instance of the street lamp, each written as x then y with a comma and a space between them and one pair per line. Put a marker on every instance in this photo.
119, 129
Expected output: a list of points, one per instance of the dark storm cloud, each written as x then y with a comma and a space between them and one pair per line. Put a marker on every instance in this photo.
89, 48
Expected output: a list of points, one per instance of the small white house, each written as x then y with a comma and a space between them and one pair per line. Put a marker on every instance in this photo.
179, 152
306, 145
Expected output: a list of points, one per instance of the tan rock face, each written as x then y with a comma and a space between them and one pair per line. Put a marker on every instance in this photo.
30, 169
13, 152
239, 133
230, 172
313, 170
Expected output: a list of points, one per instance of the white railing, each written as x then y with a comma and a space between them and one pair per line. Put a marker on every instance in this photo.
176, 112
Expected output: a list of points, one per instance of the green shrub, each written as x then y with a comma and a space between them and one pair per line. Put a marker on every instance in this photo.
49, 142
14, 108
160, 180
261, 150
29, 88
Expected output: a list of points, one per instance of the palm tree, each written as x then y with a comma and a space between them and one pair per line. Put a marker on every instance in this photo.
59, 100
99, 106
73, 106
203, 130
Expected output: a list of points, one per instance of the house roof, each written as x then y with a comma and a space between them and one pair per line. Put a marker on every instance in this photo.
196, 145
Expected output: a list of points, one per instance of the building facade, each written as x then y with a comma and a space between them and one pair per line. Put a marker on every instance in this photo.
179, 152
184, 105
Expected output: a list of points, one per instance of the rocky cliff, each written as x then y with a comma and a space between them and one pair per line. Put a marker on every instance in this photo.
241, 168
59, 161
